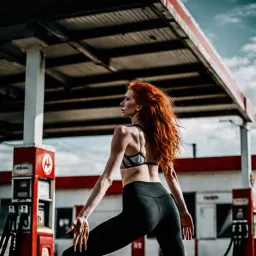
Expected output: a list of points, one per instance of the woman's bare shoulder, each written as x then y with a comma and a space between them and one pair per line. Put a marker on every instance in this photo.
121, 136
122, 131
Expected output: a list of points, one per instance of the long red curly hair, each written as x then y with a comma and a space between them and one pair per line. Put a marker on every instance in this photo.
160, 123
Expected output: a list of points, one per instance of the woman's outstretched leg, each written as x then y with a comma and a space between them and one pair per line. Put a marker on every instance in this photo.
105, 238
110, 236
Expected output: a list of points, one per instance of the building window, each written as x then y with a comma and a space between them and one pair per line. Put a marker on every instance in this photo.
4, 211
63, 222
224, 220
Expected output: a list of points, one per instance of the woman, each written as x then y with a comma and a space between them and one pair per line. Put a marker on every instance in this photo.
138, 150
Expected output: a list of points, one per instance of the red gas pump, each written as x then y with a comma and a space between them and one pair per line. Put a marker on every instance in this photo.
243, 227
30, 222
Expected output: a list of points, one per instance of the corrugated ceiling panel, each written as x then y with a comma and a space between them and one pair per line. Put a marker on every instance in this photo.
108, 19
130, 39
82, 69
12, 32
167, 58
10, 68
59, 50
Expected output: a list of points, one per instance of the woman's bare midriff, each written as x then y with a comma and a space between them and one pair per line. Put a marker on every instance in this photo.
147, 173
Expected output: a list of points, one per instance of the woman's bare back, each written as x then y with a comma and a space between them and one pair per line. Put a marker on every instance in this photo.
148, 173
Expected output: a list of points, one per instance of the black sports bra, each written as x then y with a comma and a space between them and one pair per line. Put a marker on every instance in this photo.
135, 160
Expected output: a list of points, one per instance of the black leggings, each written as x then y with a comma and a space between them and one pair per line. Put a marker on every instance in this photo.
147, 207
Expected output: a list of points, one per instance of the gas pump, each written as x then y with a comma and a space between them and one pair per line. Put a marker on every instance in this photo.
30, 223
243, 225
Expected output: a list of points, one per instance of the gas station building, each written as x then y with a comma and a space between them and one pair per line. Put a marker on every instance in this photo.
64, 67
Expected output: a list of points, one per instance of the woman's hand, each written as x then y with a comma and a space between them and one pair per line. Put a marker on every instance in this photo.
81, 232
187, 225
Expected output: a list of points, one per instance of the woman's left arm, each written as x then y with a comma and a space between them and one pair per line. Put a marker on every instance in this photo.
119, 143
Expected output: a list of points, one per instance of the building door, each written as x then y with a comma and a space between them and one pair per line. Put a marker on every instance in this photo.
206, 221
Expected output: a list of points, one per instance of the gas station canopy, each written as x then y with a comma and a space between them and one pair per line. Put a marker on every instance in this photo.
94, 48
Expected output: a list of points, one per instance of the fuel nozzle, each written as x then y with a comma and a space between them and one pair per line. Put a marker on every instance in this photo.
12, 250
23, 209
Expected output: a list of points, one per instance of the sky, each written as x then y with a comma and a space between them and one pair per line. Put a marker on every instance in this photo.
230, 25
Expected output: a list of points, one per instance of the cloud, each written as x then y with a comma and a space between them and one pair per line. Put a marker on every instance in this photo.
224, 18
73, 156
81, 155
212, 137
236, 14
250, 47
211, 36
236, 61
243, 68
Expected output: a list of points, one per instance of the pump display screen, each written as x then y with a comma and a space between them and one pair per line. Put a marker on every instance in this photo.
23, 184
21, 189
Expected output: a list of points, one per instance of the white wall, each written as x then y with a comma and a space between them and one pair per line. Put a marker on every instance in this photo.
72, 197
214, 247
206, 181
5, 191
152, 247
190, 182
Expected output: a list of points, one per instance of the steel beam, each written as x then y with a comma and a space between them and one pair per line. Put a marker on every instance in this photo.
140, 73
64, 35
118, 29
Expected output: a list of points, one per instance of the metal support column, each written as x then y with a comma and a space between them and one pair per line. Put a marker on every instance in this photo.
34, 96
245, 155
